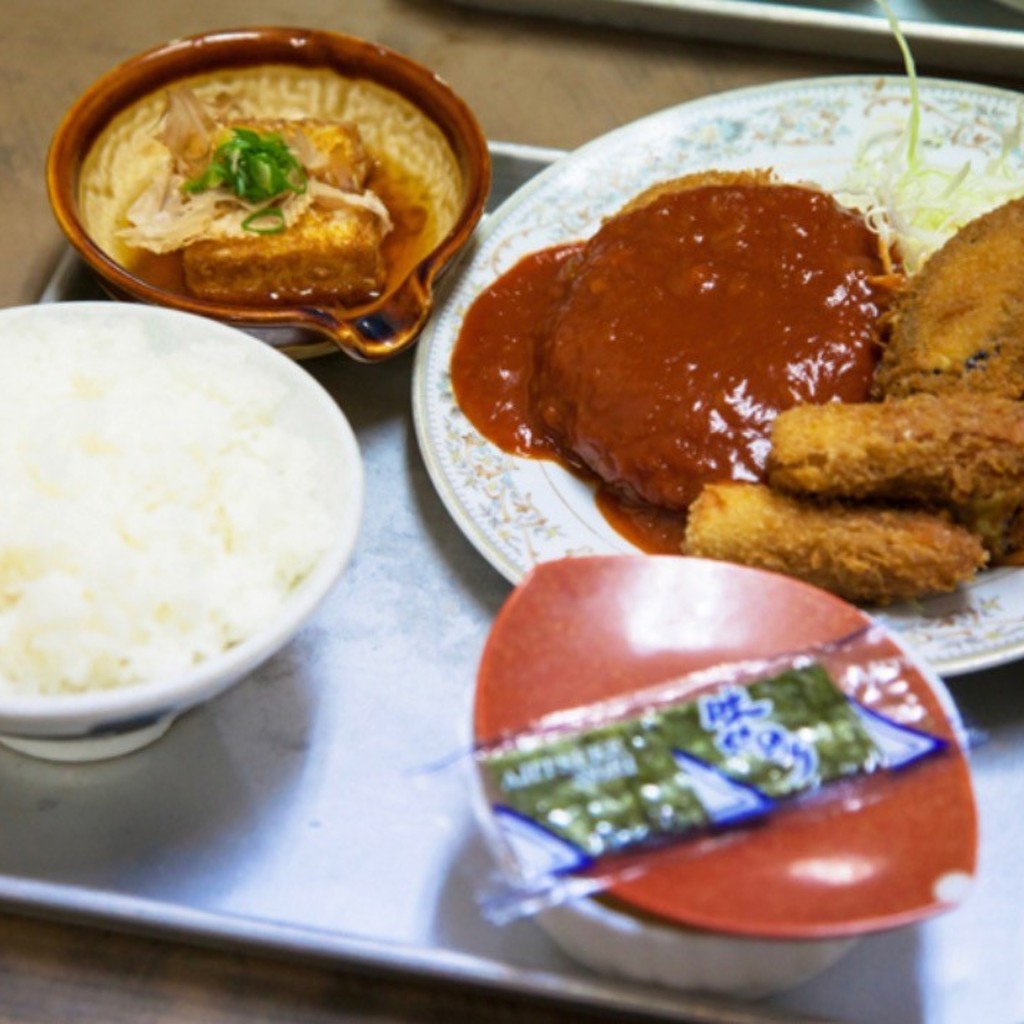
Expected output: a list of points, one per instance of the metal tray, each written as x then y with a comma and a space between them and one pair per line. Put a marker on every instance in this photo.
292, 815
971, 35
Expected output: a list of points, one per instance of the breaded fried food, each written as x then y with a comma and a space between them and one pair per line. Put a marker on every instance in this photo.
928, 448
865, 555
959, 325
962, 452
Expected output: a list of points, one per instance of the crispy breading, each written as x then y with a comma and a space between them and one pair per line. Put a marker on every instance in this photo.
698, 179
962, 452
863, 554
960, 322
930, 448
1013, 540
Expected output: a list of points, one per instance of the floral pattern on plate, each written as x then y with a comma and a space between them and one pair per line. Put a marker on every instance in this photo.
518, 512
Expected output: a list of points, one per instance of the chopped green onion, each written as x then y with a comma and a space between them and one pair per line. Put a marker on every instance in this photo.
257, 169
272, 215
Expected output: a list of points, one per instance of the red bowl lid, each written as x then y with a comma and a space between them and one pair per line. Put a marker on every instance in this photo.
891, 849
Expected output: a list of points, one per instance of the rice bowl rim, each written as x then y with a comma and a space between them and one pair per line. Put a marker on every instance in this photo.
98, 712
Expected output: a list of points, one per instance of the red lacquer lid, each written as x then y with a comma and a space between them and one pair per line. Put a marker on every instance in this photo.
892, 848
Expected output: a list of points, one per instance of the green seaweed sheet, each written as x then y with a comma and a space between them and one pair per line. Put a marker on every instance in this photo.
723, 756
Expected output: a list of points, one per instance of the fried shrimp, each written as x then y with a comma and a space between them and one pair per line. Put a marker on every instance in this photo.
959, 325
961, 452
863, 554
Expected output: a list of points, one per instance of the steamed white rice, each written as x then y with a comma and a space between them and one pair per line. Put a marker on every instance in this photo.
153, 510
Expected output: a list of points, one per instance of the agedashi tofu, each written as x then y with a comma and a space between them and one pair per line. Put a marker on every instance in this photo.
263, 209
327, 254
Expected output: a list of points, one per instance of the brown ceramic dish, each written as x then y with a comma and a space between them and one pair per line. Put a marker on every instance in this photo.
408, 116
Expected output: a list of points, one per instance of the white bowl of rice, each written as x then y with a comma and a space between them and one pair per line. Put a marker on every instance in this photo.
178, 498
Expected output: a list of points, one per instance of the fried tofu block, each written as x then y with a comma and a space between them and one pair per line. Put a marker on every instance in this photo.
327, 256
960, 451
333, 256
960, 323
865, 555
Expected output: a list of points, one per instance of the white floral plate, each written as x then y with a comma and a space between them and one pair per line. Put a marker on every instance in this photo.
518, 511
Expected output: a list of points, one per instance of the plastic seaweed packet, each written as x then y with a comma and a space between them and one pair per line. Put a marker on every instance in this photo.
593, 794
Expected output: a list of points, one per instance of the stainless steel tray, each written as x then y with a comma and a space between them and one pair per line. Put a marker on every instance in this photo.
292, 815
975, 35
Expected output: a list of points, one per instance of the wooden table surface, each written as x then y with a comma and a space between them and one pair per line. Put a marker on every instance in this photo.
529, 80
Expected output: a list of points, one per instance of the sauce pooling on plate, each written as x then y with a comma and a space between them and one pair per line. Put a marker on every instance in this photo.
656, 355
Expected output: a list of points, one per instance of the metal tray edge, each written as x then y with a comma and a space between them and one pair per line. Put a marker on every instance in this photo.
992, 50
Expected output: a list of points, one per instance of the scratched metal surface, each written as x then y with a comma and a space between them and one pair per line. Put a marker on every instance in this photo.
964, 35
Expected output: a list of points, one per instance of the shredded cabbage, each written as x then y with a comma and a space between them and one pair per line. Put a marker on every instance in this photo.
913, 204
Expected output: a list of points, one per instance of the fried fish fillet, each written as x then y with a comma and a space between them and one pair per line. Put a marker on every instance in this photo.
929, 448
962, 452
865, 555
960, 322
